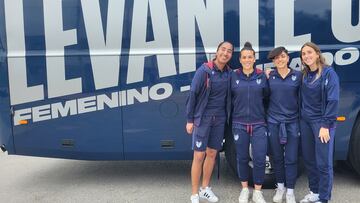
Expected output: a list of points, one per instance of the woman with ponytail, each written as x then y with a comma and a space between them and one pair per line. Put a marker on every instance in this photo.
249, 88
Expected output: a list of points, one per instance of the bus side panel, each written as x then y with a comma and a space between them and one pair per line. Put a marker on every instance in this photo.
347, 68
348, 107
156, 129
6, 137
90, 135
85, 134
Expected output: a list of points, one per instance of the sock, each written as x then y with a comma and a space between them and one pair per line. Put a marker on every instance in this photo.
194, 196
290, 191
204, 188
317, 194
280, 186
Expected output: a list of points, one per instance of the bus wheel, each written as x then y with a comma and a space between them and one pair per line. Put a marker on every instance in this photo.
354, 150
230, 154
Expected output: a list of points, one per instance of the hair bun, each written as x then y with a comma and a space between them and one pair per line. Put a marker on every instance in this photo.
248, 45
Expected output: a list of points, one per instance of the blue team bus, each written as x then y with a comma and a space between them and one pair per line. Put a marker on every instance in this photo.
108, 79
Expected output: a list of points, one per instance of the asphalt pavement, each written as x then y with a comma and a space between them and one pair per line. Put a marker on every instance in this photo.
33, 179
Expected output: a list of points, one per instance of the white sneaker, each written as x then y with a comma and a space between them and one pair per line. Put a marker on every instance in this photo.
244, 195
290, 198
312, 197
195, 198
206, 193
279, 195
257, 197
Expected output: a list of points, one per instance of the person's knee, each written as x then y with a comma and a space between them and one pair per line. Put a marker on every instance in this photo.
278, 159
291, 160
211, 153
259, 161
324, 168
199, 156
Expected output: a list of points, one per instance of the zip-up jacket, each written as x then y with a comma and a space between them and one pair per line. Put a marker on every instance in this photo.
284, 97
200, 91
320, 98
248, 95
284, 106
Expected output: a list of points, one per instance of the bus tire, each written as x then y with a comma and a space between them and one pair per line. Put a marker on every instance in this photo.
230, 155
354, 150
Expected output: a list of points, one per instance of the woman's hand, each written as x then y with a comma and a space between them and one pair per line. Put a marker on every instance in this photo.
324, 135
189, 128
267, 72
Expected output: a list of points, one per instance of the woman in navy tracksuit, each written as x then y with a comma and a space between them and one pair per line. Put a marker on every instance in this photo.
283, 123
206, 110
319, 106
249, 88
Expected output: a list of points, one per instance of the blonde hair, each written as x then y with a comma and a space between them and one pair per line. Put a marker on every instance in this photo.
320, 62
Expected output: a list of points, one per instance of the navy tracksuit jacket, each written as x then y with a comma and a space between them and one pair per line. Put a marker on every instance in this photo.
319, 108
199, 94
248, 122
208, 105
283, 124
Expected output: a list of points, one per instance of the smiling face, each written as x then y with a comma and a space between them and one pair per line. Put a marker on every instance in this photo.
281, 60
247, 59
310, 57
224, 53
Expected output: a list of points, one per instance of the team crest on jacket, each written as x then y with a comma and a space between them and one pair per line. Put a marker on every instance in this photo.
236, 137
198, 144
237, 82
293, 77
326, 81
213, 72
258, 81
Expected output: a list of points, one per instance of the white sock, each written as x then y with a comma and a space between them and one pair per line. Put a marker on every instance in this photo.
290, 191
317, 194
280, 186
204, 188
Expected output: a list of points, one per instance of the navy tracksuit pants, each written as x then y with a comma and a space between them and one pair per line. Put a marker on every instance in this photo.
285, 156
318, 158
256, 135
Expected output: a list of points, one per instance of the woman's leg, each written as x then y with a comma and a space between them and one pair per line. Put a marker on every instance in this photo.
291, 154
208, 166
277, 152
308, 152
242, 142
259, 148
324, 160
196, 168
